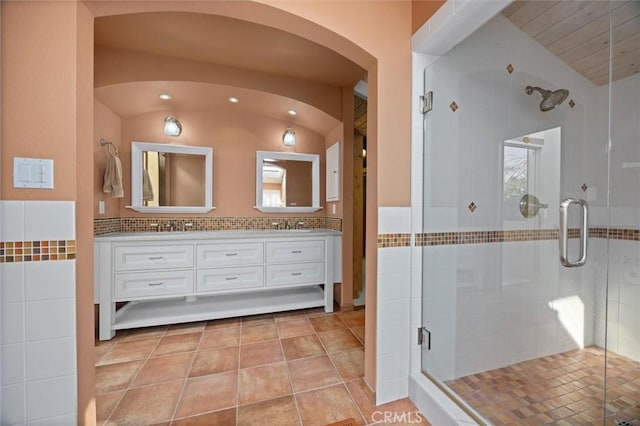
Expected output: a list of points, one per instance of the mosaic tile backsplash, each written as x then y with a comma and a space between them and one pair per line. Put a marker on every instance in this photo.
161, 224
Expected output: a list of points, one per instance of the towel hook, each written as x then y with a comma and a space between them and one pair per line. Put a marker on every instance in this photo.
109, 145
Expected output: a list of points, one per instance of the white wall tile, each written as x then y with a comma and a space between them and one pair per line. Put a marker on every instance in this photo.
393, 314
12, 220
394, 260
13, 328
49, 220
69, 419
50, 319
391, 390
50, 280
394, 220
394, 286
51, 398
12, 279
12, 361
13, 405
393, 340
47, 359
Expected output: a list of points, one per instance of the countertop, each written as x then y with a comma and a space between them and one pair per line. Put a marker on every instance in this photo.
217, 235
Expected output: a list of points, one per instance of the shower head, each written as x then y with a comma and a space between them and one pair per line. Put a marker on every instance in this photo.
549, 99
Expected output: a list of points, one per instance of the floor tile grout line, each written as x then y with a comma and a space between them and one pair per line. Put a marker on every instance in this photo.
237, 406
133, 378
184, 384
293, 392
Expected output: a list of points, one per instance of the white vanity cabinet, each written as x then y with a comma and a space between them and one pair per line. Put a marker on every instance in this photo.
167, 278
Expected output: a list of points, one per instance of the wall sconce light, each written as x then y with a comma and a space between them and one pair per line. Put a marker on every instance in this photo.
289, 137
172, 126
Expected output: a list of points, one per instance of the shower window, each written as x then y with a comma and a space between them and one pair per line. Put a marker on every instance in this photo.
519, 178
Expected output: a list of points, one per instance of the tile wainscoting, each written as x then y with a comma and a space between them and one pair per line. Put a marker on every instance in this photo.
37, 312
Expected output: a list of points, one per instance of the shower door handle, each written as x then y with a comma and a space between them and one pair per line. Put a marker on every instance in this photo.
564, 232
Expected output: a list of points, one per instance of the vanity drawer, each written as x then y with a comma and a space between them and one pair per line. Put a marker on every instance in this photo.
229, 278
301, 273
295, 251
137, 258
215, 255
152, 284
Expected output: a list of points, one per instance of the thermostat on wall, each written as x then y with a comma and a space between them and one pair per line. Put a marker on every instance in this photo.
32, 173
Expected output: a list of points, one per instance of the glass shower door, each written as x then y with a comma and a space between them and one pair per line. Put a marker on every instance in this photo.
518, 132
620, 300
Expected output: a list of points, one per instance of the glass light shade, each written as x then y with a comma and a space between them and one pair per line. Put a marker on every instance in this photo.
289, 137
172, 126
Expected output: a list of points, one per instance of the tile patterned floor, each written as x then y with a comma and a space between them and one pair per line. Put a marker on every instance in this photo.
562, 389
291, 368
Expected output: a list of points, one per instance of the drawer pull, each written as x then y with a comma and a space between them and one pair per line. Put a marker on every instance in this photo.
231, 254
156, 284
231, 278
156, 257
296, 251
296, 273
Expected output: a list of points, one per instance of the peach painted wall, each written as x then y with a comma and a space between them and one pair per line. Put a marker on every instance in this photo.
115, 66
235, 138
391, 114
106, 125
422, 10
84, 217
38, 102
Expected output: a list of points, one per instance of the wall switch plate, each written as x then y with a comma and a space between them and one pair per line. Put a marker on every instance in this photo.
333, 209
32, 173
100, 207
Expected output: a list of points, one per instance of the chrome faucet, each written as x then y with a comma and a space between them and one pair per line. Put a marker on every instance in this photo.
171, 227
289, 224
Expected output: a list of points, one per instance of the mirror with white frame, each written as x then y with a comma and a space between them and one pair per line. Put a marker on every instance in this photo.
287, 182
171, 178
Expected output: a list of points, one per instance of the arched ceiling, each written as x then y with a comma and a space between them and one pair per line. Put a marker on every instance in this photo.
227, 42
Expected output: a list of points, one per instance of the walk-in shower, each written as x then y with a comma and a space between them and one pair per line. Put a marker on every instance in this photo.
524, 329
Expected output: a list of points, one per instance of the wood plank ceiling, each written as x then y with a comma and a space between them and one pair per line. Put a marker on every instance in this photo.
577, 32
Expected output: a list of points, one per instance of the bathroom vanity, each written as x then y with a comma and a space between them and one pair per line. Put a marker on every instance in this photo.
176, 277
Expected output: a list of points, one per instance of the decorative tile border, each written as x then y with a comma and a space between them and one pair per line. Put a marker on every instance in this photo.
35, 251
615, 233
483, 237
143, 224
394, 240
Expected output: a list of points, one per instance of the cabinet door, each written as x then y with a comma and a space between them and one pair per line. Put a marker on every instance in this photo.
333, 172
218, 279
229, 254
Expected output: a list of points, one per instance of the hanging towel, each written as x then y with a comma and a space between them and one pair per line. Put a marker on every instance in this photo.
147, 188
113, 177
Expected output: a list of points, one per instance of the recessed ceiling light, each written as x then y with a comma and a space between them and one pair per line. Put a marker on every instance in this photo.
234, 100
165, 96
292, 112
